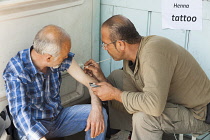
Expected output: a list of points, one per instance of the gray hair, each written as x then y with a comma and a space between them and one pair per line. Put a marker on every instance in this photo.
49, 40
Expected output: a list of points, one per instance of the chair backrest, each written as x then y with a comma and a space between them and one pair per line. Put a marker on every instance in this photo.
8, 125
5, 120
181, 136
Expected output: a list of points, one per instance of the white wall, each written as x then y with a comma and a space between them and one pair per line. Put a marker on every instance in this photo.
18, 33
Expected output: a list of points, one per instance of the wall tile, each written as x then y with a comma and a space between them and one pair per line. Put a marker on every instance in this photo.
148, 5
106, 12
177, 36
199, 46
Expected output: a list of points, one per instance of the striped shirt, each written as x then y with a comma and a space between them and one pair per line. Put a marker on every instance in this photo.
32, 94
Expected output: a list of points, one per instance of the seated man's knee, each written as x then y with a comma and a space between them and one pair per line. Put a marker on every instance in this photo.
115, 74
116, 78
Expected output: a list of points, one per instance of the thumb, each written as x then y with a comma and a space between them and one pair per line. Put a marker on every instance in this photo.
101, 83
90, 67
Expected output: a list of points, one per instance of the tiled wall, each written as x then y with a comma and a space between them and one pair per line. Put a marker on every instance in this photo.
146, 16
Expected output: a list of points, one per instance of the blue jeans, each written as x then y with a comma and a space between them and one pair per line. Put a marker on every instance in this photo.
71, 120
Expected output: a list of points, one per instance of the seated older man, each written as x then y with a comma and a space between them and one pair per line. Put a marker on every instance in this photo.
33, 79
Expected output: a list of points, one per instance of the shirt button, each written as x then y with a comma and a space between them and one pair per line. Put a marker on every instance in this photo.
136, 77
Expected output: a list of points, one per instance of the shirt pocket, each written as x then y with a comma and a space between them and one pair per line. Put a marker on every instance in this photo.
36, 98
171, 118
138, 82
34, 94
54, 92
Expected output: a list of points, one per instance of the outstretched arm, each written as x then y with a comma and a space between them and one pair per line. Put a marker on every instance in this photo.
95, 120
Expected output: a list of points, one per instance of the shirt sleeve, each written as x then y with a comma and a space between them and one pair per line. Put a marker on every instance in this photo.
20, 109
156, 73
67, 62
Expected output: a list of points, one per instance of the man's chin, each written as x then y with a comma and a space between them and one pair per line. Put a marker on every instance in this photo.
115, 59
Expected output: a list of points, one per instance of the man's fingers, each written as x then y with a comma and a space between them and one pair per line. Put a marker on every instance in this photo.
95, 90
88, 72
101, 83
101, 130
94, 65
89, 62
87, 127
91, 68
92, 130
96, 130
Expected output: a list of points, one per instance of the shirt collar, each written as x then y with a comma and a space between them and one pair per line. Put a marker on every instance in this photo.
29, 65
136, 67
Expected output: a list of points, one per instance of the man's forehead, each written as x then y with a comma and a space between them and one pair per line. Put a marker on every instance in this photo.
105, 32
105, 29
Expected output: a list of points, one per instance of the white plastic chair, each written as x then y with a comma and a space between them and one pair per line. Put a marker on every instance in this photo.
181, 137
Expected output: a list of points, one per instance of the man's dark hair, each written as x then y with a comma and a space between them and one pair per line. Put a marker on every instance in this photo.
121, 28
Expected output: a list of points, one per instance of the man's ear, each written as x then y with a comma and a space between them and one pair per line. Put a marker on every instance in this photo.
122, 45
48, 57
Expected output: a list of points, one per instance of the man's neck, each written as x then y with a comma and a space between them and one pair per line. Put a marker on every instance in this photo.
37, 60
132, 52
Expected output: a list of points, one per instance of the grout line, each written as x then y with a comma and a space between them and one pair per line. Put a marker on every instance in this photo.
149, 22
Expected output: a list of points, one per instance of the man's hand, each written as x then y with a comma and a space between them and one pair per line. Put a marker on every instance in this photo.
107, 92
95, 122
43, 138
93, 69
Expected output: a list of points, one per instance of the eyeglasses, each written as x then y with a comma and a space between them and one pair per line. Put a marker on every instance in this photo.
103, 45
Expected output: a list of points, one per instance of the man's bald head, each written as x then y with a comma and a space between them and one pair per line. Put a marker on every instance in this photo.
121, 28
50, 39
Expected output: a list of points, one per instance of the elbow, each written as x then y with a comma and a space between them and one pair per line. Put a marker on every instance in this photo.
157, 112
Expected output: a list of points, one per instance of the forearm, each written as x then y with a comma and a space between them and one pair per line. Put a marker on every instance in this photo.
95, 101
146, 102
103, 79
76, 72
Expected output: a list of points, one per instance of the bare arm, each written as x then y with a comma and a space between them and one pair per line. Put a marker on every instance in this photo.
95, 120
77, 73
